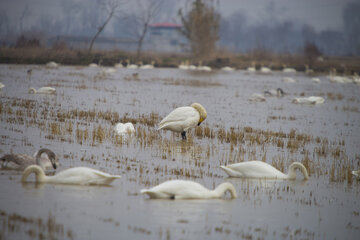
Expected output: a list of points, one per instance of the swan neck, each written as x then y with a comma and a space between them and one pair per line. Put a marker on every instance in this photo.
39, 173
292, 170
222, 188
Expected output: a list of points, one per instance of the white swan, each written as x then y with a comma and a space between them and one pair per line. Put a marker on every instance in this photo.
228, 69
265, 70
288, 70
52, 64
274, 92
76, 175
148, 66
259, 169
203, 68
309, 100
93, 65
181, 189
42, 90
257, 97
252, 68
356, 174
119, 65
1, 85
338, 79
124, 128
316, 80
45, 158
131, 66
183, 118
288, 80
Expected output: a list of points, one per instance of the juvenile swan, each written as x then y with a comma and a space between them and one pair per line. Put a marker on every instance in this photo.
259, 169
45, 158
181, 189
43, 90
76, 175
183, 118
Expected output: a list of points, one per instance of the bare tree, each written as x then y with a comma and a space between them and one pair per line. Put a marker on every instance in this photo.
142, 13
110, 7
201, 28
24, 14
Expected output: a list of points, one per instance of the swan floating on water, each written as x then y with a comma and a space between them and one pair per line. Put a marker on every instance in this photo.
181, 189
309, 100
42, 90
131, 66
124, 128
289, 80
148, 66
52, 64
289, 70
252, 68
119, 65
228, 69
257, 97
274, 92
93, 65
316, 80
183, 118
259, 169
45, 158
265, 70
76, 175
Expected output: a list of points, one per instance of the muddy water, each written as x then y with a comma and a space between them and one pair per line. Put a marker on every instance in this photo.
77, 124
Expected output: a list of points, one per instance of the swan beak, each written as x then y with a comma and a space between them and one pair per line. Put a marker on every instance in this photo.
200, 121
54, 165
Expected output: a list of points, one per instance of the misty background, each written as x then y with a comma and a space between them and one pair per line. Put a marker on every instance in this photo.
280, 26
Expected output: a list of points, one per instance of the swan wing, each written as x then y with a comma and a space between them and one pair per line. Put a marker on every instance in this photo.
256, 169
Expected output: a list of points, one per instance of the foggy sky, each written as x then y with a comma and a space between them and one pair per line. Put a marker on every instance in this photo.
320, 14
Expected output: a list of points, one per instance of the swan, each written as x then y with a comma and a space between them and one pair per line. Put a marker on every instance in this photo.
252, 68
338, 79
93, 65
183, 118
45, 158
316, 80
123, 128
289, 80
76, 175
148, 66
52, 64
131, 66
265, 70
274, 92
309, 100
109, 70
356, 78
183, 66
259, 169
288, 70
181, 189
228, 69
356, 174
1, 85
257, 97
308, 70
42, 90
119, 65
203, 68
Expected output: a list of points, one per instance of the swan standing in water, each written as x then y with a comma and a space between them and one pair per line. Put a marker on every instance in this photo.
181, 189
183, 118
42, 90
45, 158
123, 128
309, 100
259, 169
76, 175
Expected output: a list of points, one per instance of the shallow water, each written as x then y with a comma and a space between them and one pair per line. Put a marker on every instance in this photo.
324, 136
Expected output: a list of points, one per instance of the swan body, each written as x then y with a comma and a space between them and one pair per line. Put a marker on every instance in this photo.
148, 66
93, 65
183, 118
228, 69
265, 70
181, 189
289, 70
109, 70
52, 64
183, 66
275, 92
309, 100
1, 85
257, 97
76, 175
124, 128
45, 158
119, 65
338, 79
289, 80
252, 68
42, 90
356, 174
203, 68
316, 80
259, 169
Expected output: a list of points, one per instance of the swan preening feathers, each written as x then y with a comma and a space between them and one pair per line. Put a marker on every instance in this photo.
259, 169
183, 118
45, 158
181, 189
76, 175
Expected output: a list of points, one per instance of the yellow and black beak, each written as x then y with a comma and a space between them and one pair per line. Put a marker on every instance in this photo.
200, 121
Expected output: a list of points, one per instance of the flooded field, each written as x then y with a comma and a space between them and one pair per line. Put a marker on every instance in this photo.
77, 123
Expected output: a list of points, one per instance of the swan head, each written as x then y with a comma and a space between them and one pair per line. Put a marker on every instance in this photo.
280, 92
39, 172
32, 90
201, 110
50, 154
